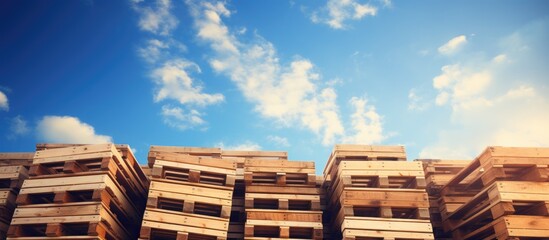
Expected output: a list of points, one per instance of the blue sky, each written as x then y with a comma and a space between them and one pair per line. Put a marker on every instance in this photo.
444, 78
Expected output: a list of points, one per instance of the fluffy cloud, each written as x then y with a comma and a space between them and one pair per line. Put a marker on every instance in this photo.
174, 82
66, 129
18, 127
288, 94
4, 102
177, 117
337, 12
279, 141
495, 101
462, 86
245, 146
156, 19
366, 124
453, 45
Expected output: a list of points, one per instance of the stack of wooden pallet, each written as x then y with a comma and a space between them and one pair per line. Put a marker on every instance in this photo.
437, 174
375, 193
13, 171
510, 195
282, 200
80, 192
190, 194
238, 213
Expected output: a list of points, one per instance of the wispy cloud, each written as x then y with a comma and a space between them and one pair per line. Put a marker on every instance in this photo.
18, 127
245, 146
290, 93
4, 105
178, 118
496, 100
157, 18
279, 141
453, 45
175, 82
337, 12
67, 129
172, 73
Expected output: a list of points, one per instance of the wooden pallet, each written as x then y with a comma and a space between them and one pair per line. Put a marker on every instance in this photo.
438, 172
386, 228
501, 163
68, 220
190, 195
155, 218
280, 173
269, 229
510, 227
188, 168
124, 150
80, 189
380, 174
500, 199
192, 151
12, 177
282, 201
362, 153
101, 156
16, 158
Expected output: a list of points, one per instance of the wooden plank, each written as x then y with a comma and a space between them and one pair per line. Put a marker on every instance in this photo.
382, 224
317, 225
192, 189
195, 160
195, 167
284, 215
186, 219
354, 233
189, 197
182, 228
279, 164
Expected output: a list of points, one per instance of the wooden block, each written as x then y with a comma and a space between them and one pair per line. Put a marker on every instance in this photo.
182, 236
188, 206
54, 230
283, 204
194, 176
284, 232
386, 212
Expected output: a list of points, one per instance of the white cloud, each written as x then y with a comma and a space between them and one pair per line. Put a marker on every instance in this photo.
67, 129
288, 94
280, 141
415, 101
366, 124
4, 102
495, 104
453, 45
18, 127
156, 19
175, 82
461, 86
245, 146
177, 117
337, 12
